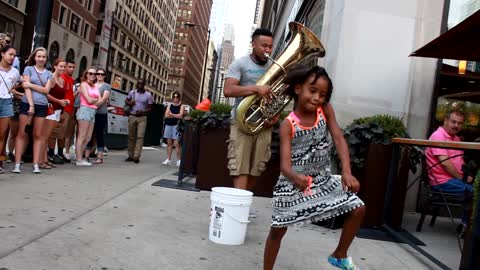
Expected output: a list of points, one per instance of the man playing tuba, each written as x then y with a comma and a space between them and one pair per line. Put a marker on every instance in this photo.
249, 154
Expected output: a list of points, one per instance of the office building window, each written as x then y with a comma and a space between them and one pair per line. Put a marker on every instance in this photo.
74, 23
61, 15
86, 31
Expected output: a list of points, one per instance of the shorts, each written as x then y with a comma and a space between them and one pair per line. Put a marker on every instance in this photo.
55, 116
6, 108
40, 110
86, 114
170, 132
248, 154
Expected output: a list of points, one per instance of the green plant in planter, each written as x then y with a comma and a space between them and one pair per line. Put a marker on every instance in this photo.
217, 117
377, 129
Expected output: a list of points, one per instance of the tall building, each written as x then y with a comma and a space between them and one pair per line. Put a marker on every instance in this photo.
258, 12
212, 58
12, 19
189, 49
72, 32
136, 43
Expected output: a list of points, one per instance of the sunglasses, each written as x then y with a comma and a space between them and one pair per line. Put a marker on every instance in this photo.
91, 73
176, 97
8, 41
100, 74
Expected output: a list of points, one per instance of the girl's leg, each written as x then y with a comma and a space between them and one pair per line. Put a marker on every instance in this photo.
272, 246
4, 124
49, 126
38, 139
350, 228
178, 149
169, 148
101, 123
89, 135
13, 135
82, 130
21, 140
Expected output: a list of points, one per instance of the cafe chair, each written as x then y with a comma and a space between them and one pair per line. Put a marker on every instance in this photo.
433, 201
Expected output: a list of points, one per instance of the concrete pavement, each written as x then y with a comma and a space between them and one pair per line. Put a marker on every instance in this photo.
110, 217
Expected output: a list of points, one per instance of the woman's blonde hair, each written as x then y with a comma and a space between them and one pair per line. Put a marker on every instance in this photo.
31, 59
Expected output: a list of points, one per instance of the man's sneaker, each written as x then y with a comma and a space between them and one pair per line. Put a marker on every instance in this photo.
58, 160
129, 159
64, 158
17, 169
166, 162
178, 163
136, 160
345, 263
83, 163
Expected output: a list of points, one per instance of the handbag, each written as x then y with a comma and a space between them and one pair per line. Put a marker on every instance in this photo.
50, 109
127, 109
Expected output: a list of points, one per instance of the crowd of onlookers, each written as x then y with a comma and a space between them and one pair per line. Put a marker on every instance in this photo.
42, 111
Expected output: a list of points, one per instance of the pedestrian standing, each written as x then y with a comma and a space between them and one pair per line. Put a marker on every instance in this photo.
9, 77
101, 117
173, 113
69, 112
37, 81
89, 96
306, 191
141, 102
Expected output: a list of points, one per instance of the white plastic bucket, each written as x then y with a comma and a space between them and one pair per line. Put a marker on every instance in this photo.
229, 212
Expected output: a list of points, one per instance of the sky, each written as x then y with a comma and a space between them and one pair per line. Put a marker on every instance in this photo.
240, 14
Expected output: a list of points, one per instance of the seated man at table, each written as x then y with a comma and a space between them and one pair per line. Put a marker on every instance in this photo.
445, 165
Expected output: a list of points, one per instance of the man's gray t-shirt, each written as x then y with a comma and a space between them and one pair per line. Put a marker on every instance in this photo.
247, 72
38, 98
103, 109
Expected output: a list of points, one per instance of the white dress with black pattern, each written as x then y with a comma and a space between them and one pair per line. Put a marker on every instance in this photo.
310, 154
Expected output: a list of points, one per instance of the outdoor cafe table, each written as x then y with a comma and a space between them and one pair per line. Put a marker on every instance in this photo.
473, 261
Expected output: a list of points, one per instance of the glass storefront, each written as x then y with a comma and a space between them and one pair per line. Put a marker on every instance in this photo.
459, 80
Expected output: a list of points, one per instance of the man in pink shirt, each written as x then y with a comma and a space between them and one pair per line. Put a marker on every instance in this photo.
445, 165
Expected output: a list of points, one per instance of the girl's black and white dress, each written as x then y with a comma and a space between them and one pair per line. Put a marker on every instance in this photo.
310, 154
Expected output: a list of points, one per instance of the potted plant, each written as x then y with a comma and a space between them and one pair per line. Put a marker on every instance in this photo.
369, 142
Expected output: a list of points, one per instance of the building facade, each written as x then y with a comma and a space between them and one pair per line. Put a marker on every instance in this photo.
189, 50
12, 19
72, 32
135, 42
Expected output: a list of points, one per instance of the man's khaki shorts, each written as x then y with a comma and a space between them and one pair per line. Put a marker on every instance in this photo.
247, 154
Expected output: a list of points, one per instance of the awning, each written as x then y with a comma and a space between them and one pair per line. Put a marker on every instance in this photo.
462, 42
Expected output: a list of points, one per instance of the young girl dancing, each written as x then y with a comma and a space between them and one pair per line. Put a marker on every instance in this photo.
306, 191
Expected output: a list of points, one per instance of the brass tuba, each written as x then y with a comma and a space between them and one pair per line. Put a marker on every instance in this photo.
253, 112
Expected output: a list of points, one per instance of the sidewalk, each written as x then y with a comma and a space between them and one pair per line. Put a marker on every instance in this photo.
110, 217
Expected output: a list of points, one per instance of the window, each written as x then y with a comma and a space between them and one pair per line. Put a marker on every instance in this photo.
70, 55
83, 65
86, 31
74, 23
89, 5
61, 16
99, 27
53, 52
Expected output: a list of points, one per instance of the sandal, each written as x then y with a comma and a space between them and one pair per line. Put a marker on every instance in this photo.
45, 166
51, 164
98, 161
345, 263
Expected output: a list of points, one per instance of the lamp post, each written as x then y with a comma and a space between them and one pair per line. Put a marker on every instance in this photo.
204, 71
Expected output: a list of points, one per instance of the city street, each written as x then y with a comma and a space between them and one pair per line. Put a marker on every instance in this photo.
110, 217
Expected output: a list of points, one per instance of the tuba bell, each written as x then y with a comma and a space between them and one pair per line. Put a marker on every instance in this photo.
253, 112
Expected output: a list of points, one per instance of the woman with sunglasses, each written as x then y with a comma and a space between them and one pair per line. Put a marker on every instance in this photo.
89, 96
9, 77
100, 117
173, 112
37, 82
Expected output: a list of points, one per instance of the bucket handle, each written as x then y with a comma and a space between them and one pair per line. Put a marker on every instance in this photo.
239, 221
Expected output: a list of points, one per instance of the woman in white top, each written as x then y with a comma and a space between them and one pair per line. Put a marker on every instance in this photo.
9, 77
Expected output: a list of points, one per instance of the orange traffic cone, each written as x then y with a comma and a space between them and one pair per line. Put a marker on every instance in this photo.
204, 105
